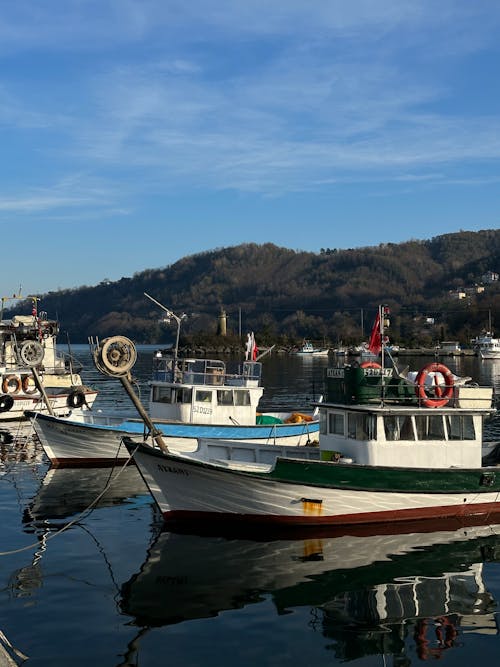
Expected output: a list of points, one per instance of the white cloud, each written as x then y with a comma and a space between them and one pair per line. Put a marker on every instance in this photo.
261, 96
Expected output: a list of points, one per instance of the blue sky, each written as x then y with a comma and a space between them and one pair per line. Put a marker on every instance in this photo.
136, 132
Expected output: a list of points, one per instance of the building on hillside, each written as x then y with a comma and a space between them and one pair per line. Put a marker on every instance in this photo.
490, 277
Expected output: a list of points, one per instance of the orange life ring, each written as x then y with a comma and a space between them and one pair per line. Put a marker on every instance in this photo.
29, 386
441, 397
369, 364
11, 384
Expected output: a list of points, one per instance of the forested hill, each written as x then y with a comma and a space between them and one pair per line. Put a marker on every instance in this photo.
285, 294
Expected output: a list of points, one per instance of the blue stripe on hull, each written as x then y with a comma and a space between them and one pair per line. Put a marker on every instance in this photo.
224, 432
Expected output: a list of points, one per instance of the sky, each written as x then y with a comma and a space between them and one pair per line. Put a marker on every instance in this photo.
134, 133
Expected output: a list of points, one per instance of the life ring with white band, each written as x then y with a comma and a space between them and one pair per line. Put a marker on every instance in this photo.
11, 384
29, 386
441, 396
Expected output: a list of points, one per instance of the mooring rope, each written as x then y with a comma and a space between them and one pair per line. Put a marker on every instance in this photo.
109, 483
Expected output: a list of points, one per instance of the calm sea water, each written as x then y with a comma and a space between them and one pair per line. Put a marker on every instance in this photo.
107, 586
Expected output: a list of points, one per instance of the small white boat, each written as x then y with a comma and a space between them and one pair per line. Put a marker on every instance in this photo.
487, 346
308, 349
392, 450
33, 374
451, 348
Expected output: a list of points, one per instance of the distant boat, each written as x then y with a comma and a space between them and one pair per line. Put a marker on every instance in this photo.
487, 346
308, 349
450, 348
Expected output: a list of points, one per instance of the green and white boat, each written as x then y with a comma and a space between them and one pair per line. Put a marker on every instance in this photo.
391, 449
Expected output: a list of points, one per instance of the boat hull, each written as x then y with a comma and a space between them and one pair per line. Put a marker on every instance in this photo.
493, 354
313, 493
72, 443
59, 402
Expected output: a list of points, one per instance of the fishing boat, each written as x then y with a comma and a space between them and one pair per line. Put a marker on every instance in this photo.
308, 349
487, 346
34, 375
190, 399
392, 449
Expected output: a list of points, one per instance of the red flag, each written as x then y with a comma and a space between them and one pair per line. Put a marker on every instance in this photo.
375, 344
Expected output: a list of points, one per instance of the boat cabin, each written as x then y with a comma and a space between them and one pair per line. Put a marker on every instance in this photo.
450, 347
372, 417
205, 391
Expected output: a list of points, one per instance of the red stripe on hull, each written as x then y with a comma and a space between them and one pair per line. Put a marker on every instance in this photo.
478, 511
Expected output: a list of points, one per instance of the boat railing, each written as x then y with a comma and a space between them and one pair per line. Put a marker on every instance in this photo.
205, 372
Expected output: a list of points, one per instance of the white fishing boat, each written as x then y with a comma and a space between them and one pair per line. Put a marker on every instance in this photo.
34, 375
487, 346
190, 399
392, 449
308, 349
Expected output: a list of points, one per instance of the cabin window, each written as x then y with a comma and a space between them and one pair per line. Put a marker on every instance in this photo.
336, 423
242, 397
460, 427
361, 426
398, 427
430, 427
184, 395
224, 397
203, 396
162, 395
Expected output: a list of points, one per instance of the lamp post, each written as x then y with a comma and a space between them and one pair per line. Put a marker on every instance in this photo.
178, 319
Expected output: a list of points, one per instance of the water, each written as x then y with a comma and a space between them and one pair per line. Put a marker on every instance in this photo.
109, 587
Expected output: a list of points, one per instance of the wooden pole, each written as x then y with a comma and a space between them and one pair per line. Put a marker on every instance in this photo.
155, 434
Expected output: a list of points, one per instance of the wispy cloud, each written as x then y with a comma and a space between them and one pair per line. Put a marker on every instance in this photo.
262, 96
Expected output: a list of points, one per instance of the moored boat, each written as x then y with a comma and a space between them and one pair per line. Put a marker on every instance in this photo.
392, 449
308, 349
487, 346
189, 399
34, 375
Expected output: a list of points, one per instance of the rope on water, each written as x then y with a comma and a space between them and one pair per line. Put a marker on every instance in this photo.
109, 483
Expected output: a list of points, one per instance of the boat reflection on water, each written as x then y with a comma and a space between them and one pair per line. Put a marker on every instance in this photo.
65, 492
370, 594
64, 499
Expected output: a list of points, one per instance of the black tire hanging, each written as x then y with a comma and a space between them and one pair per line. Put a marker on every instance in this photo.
6, 403
76, 399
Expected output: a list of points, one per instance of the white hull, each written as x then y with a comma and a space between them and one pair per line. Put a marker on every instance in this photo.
191, 490
493, 354
68, 442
